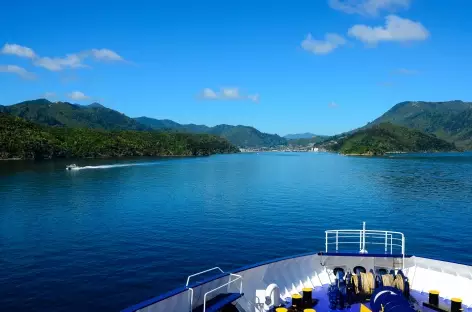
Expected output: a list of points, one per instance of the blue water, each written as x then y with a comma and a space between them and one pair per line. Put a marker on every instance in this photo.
105, 237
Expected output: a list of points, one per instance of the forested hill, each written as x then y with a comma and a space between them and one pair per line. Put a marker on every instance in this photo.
93, 116
242, 136
450, 120
25, 140
386, 137
96, 116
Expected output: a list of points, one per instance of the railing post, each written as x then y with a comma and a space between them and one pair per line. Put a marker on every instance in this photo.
326, 242
386, 238
337, 241
363, 234
360, 241
391, 243
403, 252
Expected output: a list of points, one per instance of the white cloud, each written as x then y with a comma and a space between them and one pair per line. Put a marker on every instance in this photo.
209, 94
17, 70
228, 94
73, 60
77, 95
330, 42
18, 50
58, 64
368, 7
105, 55
406, 71
395, 29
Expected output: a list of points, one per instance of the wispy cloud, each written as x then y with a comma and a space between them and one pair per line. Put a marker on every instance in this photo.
406, 71
368, 7
331, 41
395, 29
332, 105
77, 96
15, 49
17, 70
105, 55
72, 60
227, 94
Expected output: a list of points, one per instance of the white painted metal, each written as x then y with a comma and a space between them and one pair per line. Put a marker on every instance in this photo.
371, 237
272, 297
238, 277
202, 272
291, 275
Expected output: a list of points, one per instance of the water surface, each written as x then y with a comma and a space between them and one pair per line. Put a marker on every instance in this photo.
106, 237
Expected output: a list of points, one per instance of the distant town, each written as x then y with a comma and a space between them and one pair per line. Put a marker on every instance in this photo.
283, 148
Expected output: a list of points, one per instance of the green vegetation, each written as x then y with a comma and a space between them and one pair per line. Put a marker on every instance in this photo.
25, 140
242, 136
386, 137
94, 116
451, 121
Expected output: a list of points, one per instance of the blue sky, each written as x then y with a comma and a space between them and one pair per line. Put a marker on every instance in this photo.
323, 66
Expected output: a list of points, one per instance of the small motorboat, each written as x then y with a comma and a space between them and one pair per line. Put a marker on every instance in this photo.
72, 166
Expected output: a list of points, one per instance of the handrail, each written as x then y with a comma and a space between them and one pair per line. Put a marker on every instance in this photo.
389, 239
193, 275
238, 277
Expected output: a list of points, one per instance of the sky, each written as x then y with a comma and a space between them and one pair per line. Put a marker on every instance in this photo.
320, 66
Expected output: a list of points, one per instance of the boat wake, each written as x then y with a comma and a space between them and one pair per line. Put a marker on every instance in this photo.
113, 166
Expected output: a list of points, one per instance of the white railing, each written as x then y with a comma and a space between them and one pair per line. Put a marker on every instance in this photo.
392, 242
190, 289
202, 272
238, 277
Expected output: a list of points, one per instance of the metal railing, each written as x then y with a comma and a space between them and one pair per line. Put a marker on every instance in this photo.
238, 277
202, 272
190, 289
392, 242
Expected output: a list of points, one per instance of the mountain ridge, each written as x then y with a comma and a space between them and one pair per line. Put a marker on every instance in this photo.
387, 138
240, 135
97, 116
448, 120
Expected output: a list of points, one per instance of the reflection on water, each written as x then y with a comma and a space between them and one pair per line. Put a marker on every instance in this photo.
105, 239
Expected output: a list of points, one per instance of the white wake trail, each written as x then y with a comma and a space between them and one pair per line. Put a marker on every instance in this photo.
114, 166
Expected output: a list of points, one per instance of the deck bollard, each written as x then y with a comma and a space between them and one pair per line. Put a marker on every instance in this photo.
434, 297
307, 300
456, 305
297, 301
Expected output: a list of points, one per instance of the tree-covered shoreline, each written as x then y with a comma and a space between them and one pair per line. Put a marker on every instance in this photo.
386, 138
21, 139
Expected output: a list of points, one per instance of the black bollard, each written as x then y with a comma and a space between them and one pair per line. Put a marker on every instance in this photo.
306, 300
434, 297
456, 305
297, 301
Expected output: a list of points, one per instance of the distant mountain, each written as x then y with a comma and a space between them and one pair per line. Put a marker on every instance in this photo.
306, 135
387, 137
451, 120
242, 136
94, 116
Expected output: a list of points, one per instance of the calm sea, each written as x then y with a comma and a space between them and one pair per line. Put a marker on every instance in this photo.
117, 232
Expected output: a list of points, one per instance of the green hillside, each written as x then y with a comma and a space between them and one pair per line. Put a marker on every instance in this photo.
94, 116
451, 120
25, 140
386, 137
242, 136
